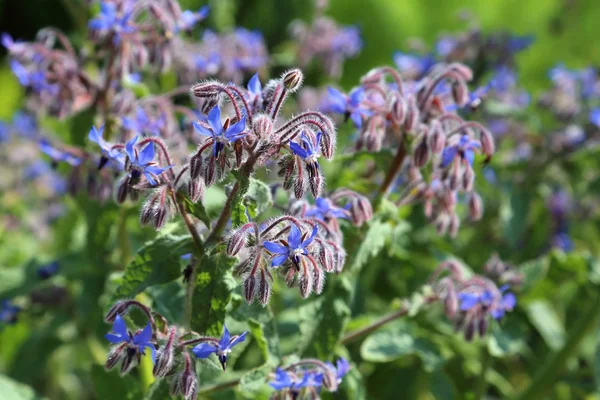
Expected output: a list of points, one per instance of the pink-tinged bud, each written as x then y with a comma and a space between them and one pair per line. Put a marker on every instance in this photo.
316, 182
460, 93
465, 72
299, 186
318, 280
437, 137
451, 301
122, 191
209, 172
292, 79
195, 165
398, 110
441, 224
475, 207
454, 175
326, 259
421, 153
468, 178
161, 217
470, 330
237, 242
249, 289
115, 356
263, 126
264, 289
487, 142
306, 286
119, 308
412, 115
147, 213
209, 103
165, 356
372, 77
129, 361
414, 175
453, 225
195, 190
140, 56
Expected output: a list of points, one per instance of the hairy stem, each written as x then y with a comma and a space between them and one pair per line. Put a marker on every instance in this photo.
546, 376
391, 173
359, 333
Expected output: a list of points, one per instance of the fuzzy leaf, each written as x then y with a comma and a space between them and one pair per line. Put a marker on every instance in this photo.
373, 243
198, 210
157, 262
13, 390
214, 286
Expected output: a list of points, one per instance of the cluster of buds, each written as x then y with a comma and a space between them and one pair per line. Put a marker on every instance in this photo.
305, 379
169, 347
422, 115
470, 301
326, 41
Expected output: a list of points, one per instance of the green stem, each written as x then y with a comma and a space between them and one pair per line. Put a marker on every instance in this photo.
217, 387
555, 361
391, 173
359, 333
486, 364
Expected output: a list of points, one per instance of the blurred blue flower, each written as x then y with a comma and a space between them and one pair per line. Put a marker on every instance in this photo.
563, 241
142, 123
496, 307
190, 18
308, 152
339, 103
4, 132
9, 43
594, 116
413, 64
294, 248
518, 43
588, 79
464, 149
282, 380
342, 366
139, 342
143, 162
9, 312
445, 45
36, 80
58, 155
25, 124
109, 21
220, 136
221, 349
347, 42
325, 210
503, 80
48, 270
35, 170
108, 153
252, 58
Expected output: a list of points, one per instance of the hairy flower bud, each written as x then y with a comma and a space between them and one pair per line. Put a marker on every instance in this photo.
292, 79
206, 88
236, 242
412, 115
165, 356
437, 138
264, 289
421, 153
460, 93
398, 110
468, 178
453, 225
195, 165
475, 207
122, 191
465, 72
262, 126
160, 217
195, 189
487, 142
114, 357
249, 288
451, 301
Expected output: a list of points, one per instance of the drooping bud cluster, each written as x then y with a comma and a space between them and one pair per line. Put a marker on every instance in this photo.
326, 41
470, 301
306, 379
433, 141
168, 347
302, 250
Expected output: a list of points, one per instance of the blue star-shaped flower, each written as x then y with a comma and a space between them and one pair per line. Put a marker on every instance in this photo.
324, 210
293, 248
308, 152
221, 349
35, 80
25, 124
342, 366
143, 162
465, 149
414, 64
137, 342
108, 153
48, 270
58, 155
9, 312
221, 137
108, 20
348, 105
282, 380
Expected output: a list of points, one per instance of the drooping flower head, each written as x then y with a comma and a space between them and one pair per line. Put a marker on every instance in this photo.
143, 162
136, 344
108, 151
350, 105
465, 149
221, 348
110, 21
221, 134
293, 248
308, 151
325, 210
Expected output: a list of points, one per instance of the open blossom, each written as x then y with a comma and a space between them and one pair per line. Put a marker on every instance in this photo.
350, 105
142, 162
465, 149
325, 210
128, 346
220, 134
222, 348
293, 249
110, 20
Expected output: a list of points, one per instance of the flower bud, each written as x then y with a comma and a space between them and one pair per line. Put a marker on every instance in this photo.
292, 79
421, 153
264, 289
482, 326
453, 225
468, 178
470, 330
209, 172
160, 217
119, 308
465, 72
165, 356
412, 115
195, 165
451, 302
398, 110
262, 126
114, 357
487, 142
122, 191
475, 207
318, 280
437, 138
249, 289
129, 360
236, 242
206, 89
195, 189
460, 93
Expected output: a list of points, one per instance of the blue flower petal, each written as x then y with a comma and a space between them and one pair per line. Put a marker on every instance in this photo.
294, 237
203, 350
146, 155
214, 120
276, 248
279, 260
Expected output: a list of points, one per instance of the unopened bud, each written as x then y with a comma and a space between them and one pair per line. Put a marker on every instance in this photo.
292, 79
195, 189
264, 289
468, 178
483, 326
205, 89
114, 357
262, 126
451, 302
470, 330
398, 110
437, 138
122, 191
465, 72
421, 153
460, 93
165, 356
195, 165
318, 280
453, 225
160, 217
475, 207
487, 142
412, 115
236, 242
249, 289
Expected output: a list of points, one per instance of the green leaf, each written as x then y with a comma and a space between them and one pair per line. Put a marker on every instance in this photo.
259, 195
157, 262
323, 322
373, 243
158, 391
263, 328
386, 346
110, 385
255, 381
543, 316
214, 286
239, 215
13, 390
197, 210
168, 301
534, 271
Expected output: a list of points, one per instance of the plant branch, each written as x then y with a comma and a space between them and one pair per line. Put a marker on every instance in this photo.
392, 172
